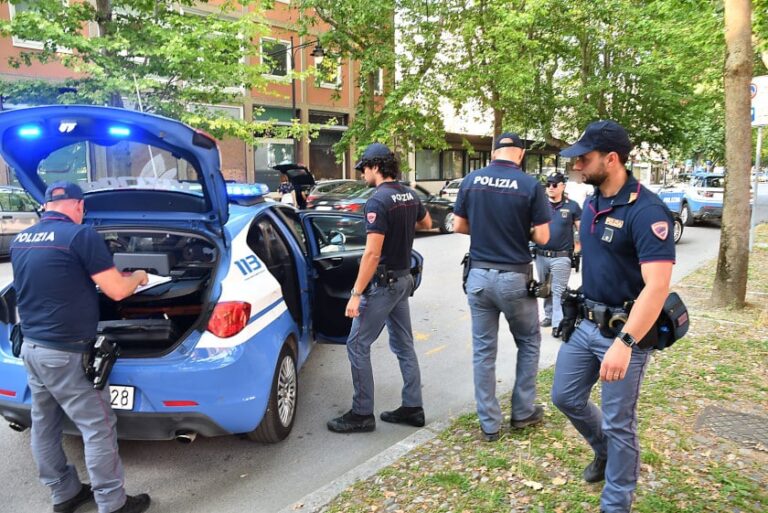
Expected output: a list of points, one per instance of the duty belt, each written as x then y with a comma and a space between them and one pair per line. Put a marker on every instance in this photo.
515, 268
398, 274
605, 315
552, 254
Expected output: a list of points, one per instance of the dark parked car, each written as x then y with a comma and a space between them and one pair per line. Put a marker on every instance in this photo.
352, 197
324, 187
18, 211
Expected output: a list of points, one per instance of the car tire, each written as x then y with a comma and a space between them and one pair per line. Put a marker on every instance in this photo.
686, 215
447, 225
677, 227
278, 420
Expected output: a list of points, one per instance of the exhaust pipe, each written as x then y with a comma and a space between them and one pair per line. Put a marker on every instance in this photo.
17, 427
185, 437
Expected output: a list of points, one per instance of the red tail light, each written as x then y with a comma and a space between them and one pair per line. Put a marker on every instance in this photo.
349, 207
229, 318
311, 198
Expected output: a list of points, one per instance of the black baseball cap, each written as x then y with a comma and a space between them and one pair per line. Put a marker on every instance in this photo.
515, 141
63, 190
373, 151
556, 178
604, 136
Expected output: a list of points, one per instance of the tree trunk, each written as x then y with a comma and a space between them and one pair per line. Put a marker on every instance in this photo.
103, 17
730, 286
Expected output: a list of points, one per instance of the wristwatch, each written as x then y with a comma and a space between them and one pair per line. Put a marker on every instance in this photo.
355, 293
627, 339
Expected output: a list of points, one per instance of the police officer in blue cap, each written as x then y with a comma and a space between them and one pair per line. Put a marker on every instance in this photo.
502, 209
380, 295
629, 251
56, 266
553, 259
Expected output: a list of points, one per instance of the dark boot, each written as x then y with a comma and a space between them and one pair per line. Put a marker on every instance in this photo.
135, 504
84, 496
411, 415
490, 437
556, 332
536, 417
595, 471
351, 422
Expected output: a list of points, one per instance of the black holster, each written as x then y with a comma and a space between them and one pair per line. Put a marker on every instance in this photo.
576, 261
571, 302
98, 362
541, 290
17, 339
467, 263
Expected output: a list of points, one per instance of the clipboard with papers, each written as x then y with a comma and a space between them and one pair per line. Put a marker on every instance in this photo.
153, 280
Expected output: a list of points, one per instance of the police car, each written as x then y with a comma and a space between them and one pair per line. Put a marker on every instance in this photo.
698, 200
244, 288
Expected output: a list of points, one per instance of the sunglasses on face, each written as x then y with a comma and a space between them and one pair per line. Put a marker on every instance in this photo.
553, 184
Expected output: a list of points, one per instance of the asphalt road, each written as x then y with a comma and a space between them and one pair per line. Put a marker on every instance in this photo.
229, 474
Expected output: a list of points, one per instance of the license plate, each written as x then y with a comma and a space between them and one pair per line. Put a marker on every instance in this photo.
321, 207
121, 398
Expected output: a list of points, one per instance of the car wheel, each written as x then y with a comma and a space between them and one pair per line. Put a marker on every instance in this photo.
447, 225
678, 229
281, 409
686, 215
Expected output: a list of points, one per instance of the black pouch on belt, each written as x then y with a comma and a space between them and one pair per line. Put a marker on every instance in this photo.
467, 263
17, 339
571, 302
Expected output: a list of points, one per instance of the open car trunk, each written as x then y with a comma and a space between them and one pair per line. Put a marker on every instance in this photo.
154, 321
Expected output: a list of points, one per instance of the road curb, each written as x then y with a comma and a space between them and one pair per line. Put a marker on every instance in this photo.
314, 501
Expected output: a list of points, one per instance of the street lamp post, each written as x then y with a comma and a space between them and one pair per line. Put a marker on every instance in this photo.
318, 53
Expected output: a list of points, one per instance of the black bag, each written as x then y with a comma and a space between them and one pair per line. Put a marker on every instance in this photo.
17, 338
467, 263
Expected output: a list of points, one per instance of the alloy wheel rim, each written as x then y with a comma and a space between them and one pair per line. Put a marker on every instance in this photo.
448, 223
286, 391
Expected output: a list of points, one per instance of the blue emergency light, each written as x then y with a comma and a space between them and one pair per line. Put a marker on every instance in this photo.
30, 131
119, 131
246, 191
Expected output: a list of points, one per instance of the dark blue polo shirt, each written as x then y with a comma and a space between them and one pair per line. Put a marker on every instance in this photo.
393, 211
617, 235
501, 204
53, 262
564, 214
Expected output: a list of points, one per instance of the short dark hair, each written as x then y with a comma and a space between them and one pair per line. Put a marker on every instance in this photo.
389, 166
623, 157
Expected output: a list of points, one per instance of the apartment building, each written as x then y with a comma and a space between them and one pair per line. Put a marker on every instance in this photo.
313, 100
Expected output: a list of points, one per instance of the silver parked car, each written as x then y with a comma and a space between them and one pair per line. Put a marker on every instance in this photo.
18, 211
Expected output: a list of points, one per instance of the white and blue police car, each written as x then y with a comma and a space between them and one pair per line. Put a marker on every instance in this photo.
247, 285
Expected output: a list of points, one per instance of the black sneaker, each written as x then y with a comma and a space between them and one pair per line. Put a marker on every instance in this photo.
536, 417
490, 437
412, 415
595, 471
84, 496
351, 422
546, 323
134, 504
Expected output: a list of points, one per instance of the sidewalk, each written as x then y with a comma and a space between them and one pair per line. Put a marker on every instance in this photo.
703, 426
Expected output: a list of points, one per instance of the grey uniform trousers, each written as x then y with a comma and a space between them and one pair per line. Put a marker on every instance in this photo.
491, 292
560, 269
383, 306
59, 387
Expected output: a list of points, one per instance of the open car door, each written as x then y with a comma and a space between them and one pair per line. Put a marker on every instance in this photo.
336, 242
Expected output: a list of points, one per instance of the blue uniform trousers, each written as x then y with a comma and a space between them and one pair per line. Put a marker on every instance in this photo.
612, 429
59, 387
385, 305
560, 269
491, 292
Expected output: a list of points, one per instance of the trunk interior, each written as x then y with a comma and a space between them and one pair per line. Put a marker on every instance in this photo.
153, 321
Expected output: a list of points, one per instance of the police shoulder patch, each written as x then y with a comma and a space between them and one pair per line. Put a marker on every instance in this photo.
371, 217
660, 229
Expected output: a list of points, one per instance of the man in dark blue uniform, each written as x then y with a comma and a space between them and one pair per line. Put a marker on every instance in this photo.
380, 295
553, 259
629, 251
56, 266
502, 209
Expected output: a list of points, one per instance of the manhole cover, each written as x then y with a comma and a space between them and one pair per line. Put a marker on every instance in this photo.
744, 428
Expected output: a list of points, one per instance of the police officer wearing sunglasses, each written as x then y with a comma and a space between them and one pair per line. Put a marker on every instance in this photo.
628, 249
553, 259
380, 295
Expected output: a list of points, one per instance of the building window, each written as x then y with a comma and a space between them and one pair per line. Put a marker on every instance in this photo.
453, 164
532, 164
478, 160
277, 55
427, 165
25, 6
328, 73
229, 111
268, 153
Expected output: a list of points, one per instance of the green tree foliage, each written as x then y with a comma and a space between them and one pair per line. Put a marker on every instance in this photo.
179, 55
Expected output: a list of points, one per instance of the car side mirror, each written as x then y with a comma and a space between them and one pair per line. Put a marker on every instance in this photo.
337, 238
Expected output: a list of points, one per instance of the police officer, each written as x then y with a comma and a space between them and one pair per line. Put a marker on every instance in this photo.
502, 208
554, 258
56, 265
380, 294
628, 248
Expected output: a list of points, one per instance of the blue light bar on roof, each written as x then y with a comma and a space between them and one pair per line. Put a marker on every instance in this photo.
30, 131
242, 191
119, 131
